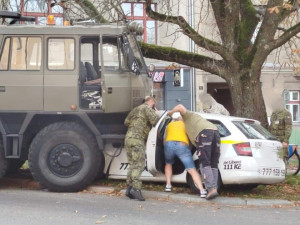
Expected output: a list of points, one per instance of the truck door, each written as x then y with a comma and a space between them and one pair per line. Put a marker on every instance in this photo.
116, 79
155, 147
21, 73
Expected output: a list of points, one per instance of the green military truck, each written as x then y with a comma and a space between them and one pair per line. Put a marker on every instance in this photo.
64, 94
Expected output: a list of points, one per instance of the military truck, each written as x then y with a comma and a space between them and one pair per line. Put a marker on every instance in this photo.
64, 94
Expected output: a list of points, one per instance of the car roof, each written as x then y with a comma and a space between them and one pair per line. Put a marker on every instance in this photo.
220, 117
224, 117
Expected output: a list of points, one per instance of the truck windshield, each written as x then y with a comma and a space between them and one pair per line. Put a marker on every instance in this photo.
133, 55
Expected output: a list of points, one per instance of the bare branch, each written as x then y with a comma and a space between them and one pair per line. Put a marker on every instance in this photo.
190, 32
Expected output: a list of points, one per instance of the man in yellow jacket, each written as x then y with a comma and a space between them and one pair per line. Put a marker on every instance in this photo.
177, 144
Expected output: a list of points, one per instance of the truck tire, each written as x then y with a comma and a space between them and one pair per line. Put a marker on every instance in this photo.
192, 185
4, 163
64, 157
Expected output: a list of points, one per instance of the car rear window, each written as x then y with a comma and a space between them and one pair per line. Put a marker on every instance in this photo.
223, 131
253, 130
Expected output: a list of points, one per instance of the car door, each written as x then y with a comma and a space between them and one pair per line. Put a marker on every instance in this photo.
154, 145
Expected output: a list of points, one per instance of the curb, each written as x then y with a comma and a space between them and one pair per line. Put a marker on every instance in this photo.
230, 201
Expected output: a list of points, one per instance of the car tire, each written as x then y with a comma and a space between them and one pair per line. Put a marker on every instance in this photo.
64, 157
4, 163
192, 185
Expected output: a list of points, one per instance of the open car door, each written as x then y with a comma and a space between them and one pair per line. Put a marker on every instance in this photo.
155, 145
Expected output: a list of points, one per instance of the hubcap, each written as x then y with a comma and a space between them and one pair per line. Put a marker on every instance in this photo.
65, 160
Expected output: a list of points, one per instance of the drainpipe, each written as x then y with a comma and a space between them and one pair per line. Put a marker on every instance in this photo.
192, 49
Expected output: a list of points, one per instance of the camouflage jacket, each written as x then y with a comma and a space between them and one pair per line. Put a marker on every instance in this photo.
140, 121
281, 125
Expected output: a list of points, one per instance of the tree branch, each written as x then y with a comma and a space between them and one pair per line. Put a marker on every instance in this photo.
186, 58
91, 10
190, 32
285, 37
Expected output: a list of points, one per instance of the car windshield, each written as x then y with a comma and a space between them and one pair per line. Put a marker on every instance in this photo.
253, 130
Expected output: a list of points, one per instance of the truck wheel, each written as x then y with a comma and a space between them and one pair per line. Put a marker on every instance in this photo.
64, 157
193, 186
4, 163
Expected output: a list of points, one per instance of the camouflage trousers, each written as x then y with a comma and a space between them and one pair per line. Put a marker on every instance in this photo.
135, 149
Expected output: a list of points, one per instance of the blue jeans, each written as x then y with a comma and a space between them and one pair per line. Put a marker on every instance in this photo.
182, 151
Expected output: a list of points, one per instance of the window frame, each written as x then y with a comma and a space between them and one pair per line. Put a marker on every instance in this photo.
9, 52
39, 14
143, 18
291, 95
289, 107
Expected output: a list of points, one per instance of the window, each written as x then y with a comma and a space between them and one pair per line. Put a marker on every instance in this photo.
61, 54
4, 55
224, 132
137, 12
294, 110
294, 95
25, 53
37, 8
113, 58
253, 130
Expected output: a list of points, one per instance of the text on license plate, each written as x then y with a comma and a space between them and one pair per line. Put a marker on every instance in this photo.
268, 171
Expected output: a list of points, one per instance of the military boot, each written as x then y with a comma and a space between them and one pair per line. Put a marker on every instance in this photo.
127, 193
137, 194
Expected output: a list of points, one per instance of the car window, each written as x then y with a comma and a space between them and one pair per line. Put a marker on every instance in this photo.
221, 128
163, 125
253, 130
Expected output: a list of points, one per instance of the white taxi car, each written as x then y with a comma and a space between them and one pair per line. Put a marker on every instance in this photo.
249, 154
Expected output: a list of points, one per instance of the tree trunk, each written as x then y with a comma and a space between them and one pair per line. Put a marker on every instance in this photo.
246, 92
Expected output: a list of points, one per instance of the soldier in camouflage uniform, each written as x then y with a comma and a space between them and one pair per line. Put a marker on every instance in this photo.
139, 122
281, 127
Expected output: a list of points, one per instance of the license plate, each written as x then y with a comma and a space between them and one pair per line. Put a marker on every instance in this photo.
269, 171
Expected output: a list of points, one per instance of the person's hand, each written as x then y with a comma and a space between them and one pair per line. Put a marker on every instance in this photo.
284, 145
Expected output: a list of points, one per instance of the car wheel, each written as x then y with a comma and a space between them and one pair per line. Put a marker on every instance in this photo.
64, 157
14, 165
4, 163
193, 186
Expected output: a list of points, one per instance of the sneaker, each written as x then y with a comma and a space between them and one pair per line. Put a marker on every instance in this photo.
212, 194
127, 193
203, 193
168, 188
136, 194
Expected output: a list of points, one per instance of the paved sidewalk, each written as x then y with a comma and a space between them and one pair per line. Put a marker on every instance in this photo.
231, 201
159, 195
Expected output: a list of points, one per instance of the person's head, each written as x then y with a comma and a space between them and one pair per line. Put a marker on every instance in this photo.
150, 101
179, 118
